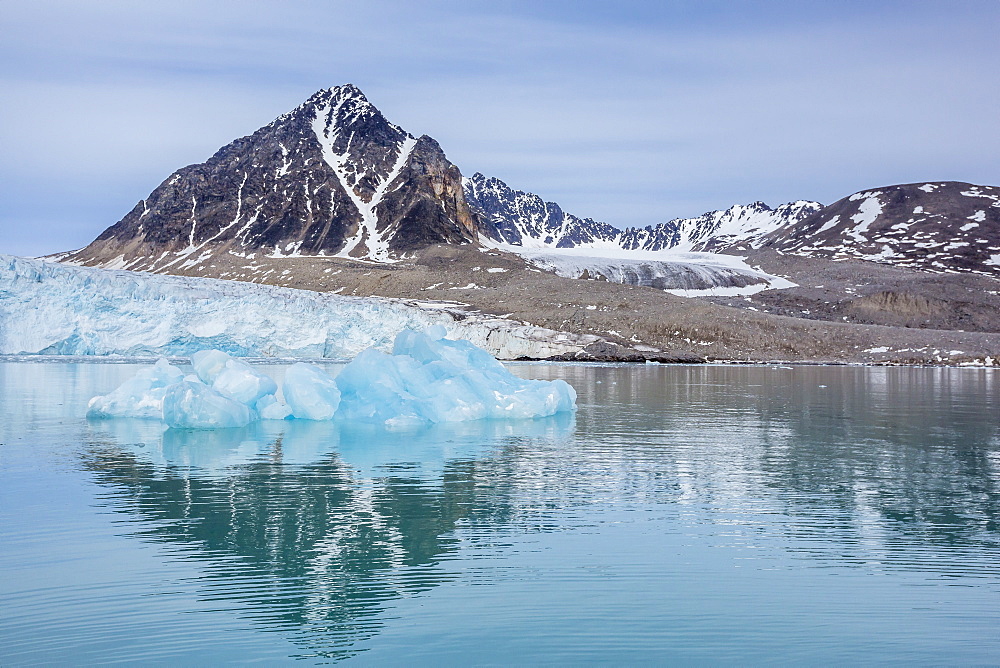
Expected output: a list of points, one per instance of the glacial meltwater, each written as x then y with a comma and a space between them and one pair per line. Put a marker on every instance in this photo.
684, 515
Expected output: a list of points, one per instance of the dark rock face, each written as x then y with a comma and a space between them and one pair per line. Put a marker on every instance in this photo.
524, 219
332, 177
938, 227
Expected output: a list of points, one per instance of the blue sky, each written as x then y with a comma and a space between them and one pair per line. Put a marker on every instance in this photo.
628, 112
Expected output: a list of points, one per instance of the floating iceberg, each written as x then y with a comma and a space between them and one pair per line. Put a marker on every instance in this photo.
311, 393
193, 405
141, 396
243, 383
431, 379
427, 379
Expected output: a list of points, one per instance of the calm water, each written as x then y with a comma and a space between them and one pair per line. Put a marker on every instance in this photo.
686, 515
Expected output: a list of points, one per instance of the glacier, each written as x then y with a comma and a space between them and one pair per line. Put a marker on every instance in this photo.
427, 379
47, 308
686, 274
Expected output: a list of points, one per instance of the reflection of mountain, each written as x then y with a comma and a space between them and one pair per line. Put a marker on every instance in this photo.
894, 451
315, 527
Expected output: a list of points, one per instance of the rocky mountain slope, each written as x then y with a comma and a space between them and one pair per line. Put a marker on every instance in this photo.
333, 197
332, 177
524, 219
938, 227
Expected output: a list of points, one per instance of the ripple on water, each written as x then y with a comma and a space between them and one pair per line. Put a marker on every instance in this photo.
696, 514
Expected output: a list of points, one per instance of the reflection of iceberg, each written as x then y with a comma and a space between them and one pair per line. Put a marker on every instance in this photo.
341, 519
426, 379
366, 449
427, 450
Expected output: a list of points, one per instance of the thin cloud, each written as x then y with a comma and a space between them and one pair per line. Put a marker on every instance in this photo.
633, 117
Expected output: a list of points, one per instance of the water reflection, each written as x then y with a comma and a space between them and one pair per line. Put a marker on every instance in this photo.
317, 529
911, 451
315, 526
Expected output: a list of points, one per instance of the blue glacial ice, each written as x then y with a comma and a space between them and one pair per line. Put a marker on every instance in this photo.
208, 364
140, 396
243, 383
427, 379
49, 308
311, 393
191, 404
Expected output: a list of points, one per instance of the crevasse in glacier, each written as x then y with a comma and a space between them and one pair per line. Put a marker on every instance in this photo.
427, 379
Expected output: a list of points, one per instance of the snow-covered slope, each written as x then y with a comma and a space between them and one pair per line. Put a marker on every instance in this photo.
525, 220
49, 308
740, 227
940, 227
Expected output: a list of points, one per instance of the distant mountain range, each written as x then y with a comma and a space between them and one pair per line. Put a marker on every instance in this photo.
523, 219
335, 178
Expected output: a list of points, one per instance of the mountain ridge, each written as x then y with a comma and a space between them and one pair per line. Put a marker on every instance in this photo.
332, 177
525, 219
938, 226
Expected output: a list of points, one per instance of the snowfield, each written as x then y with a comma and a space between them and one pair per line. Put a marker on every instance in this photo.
53, 309
687, 274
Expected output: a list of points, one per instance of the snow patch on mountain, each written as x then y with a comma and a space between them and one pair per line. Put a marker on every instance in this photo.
869, 209
328, 127
945, 227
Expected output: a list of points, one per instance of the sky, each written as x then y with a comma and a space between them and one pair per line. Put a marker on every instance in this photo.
628, 112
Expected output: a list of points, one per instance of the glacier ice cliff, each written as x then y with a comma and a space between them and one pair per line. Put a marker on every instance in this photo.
53, 309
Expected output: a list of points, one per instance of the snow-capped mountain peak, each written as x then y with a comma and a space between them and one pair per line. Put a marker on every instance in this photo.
331, 177
525, 220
